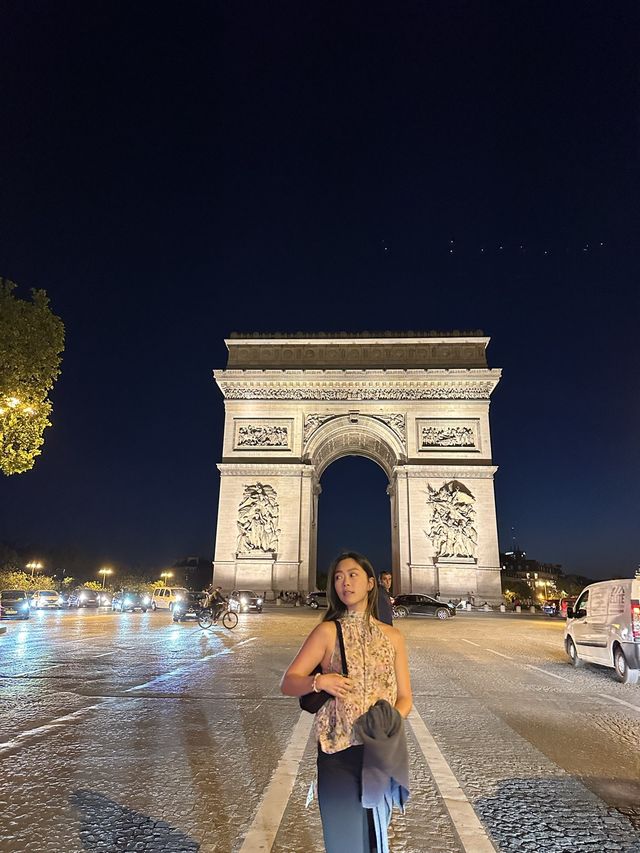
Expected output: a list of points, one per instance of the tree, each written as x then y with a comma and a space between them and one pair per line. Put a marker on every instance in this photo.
31, 344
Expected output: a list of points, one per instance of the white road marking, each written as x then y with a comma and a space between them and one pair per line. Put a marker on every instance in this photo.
544, 672
264, 828
494, 652
103, 655
59, 722
635, 708
167, 675
471, 832
471, 643
32, 674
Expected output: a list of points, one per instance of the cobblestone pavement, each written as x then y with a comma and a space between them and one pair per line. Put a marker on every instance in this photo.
127, 732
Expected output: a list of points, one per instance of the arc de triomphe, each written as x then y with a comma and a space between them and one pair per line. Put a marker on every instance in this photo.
416, 404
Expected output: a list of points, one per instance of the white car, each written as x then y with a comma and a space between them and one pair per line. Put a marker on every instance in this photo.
603, 626
45, 598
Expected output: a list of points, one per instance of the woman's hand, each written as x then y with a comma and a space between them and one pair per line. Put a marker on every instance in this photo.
335, 684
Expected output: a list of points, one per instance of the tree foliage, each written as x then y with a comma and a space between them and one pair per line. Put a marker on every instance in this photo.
31, 345
23, 580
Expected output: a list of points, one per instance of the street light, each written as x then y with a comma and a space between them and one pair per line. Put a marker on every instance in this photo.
104, 573
33, 565
165, 575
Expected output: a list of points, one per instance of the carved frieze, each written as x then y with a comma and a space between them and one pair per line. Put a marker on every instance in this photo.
447, 435
346, 391
258, 516
266, 434
452, 529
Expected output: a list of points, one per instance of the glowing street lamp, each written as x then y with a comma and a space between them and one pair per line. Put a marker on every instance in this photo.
34, 566
165, 575
104, 573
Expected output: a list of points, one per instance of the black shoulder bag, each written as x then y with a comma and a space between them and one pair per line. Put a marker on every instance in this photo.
312, 702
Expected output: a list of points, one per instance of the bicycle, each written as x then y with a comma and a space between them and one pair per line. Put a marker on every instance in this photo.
207, 618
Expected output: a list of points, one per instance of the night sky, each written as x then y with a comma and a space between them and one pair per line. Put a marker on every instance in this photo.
170, 173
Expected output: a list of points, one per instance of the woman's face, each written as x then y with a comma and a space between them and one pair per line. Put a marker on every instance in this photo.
352, 584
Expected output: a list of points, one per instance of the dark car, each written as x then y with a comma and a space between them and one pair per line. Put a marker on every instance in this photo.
316, 599
82, 597
189, 606
551, 607
14, 604
244, 600
124, 600
421, 605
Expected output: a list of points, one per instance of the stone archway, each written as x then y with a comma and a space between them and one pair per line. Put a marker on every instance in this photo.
417, 405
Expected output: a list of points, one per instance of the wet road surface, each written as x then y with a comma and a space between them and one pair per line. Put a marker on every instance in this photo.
130, 732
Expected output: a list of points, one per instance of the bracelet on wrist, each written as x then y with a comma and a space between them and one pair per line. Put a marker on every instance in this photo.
314, 685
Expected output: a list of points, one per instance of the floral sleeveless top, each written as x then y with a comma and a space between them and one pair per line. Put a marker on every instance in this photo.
370, 662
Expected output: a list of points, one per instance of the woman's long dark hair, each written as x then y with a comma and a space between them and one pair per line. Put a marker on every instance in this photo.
337, 608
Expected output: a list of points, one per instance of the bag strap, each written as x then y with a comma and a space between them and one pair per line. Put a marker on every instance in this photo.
343, 655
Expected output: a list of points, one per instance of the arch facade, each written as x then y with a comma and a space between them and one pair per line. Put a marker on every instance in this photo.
417, 405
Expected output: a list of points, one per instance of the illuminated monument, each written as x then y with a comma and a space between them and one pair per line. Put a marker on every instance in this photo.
417, 404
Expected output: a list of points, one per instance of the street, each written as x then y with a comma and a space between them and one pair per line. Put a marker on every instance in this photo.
130, 732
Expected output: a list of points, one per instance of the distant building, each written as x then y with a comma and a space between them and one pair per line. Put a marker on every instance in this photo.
192, 572
543, 579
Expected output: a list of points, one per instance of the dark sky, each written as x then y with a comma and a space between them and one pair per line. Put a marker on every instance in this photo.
172, 172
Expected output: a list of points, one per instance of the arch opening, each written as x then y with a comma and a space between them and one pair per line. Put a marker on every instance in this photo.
353, 513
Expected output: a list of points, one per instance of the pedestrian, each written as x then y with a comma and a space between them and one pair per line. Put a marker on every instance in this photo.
375, 694
385, 609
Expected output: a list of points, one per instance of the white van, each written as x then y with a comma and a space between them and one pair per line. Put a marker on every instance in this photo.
164, 597
603, 626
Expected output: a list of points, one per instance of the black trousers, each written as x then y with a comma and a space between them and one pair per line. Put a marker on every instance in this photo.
346, 826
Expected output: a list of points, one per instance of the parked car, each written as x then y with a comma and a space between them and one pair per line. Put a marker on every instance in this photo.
82, 597
604, 627
165, 597
14, 603
244, 600
551, 607
124, 600
316, 600
189, 606
44, 599
422, 605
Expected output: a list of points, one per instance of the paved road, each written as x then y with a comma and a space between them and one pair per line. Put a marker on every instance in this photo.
127, 732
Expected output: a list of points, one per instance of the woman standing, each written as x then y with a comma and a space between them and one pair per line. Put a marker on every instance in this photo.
377, 669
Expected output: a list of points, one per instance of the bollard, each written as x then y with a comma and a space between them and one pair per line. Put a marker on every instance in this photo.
518, 608
278, 602
503, 609
532, 609
468, 605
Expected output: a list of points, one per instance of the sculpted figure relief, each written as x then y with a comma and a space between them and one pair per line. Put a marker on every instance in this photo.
258, 516
263, 436
312, 422
395, 422
452, 528
449, 436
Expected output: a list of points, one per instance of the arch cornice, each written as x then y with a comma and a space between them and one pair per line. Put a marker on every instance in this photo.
354, 435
